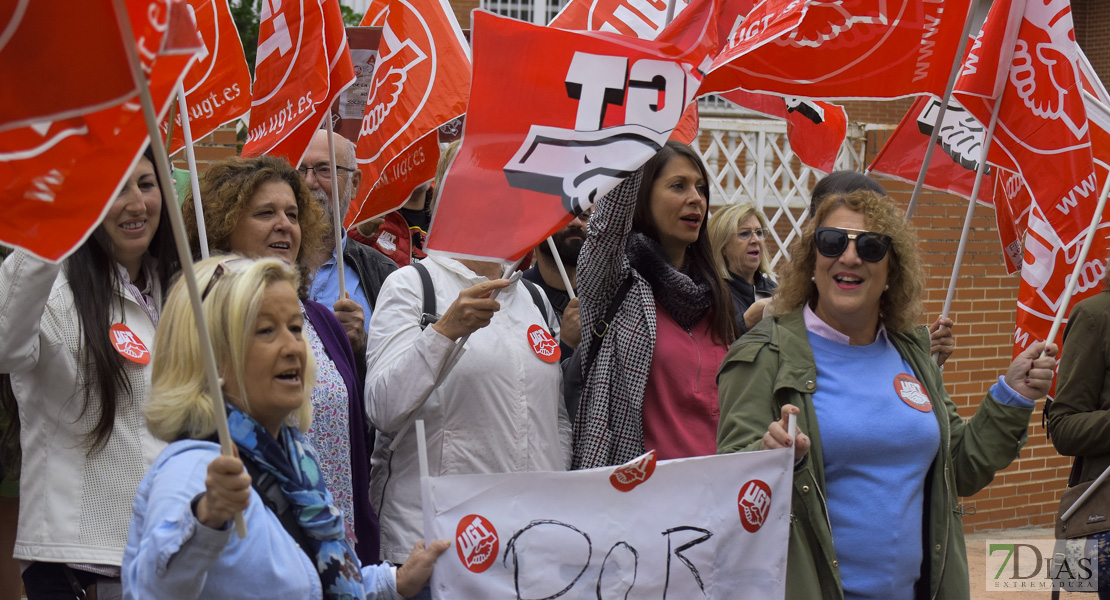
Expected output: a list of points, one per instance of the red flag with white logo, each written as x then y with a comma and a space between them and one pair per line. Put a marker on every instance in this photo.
421, 81
375, 14
954, 162
57, 177
1051, 253
218, 85
1042, 129
841, 48
816, 129
413, 167
341, 74
72, 61
290, 74
583, 111
1012, 204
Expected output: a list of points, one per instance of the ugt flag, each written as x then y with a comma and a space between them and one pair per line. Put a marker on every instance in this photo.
58, 176
954, 163
841, 48
290, 73
580, 111
218, 84
548, 535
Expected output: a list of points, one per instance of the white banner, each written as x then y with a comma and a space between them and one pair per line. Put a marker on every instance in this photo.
714, 527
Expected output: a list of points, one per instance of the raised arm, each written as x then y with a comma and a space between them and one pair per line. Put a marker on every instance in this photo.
25, 284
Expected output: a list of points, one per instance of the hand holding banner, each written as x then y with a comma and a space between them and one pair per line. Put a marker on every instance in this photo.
542, 535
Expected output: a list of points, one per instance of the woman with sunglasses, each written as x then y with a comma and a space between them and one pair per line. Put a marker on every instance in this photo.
181, 542
881, 454
262, 207
651, 385
737, 234
76, 340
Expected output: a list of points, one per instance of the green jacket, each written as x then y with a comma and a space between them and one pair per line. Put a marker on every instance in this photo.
1079, 418
773, 366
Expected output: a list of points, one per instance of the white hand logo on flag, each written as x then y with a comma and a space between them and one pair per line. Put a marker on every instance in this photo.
394, 67
1043, 73
827, 21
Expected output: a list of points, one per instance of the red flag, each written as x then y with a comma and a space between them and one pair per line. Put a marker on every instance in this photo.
841, 48
1042, 129
218, 85
341, 74
953, 165
583, 110
59, 176
816, 129
421, 81
290, 74
1012, 204
1051, 254
375, 14
687, 129
415, 166
72, 59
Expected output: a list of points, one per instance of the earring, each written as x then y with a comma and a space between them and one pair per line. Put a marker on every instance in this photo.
813, 279
886, 287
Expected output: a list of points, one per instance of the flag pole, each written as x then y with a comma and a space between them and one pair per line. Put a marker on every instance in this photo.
952, 76
562, 269
194, 179
980, 171
448, 365
1060, 317
336, 221
169, 198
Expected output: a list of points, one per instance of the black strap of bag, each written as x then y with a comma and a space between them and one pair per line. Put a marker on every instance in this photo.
429, 315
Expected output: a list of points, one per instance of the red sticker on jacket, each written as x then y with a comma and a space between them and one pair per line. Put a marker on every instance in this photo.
128, 344
910, 390
754, 503
543, 344
631, 474
476, 542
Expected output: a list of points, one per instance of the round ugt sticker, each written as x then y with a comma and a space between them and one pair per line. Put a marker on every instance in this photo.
754, 502
128, 344
910, 390
476, 542
543, 344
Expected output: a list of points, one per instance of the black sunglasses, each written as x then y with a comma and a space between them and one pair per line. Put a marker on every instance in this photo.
870, 246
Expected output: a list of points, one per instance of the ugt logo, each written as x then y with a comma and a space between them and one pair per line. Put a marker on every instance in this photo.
477, 543
576, 164
1038, 565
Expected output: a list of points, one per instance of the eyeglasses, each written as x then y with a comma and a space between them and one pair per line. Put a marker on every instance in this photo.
322, 171
746, 234
224, 267
870, 246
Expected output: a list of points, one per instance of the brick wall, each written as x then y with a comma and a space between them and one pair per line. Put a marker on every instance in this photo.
1092, 31
218, 145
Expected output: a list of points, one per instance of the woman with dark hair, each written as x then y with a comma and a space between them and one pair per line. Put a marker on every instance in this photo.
881, 454
652, 384
77, 339
262, 208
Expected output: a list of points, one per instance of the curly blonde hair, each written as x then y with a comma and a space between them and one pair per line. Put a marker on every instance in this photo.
180, 404
900, 306
226, 191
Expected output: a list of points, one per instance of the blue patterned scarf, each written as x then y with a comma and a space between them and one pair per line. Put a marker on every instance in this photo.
293, 463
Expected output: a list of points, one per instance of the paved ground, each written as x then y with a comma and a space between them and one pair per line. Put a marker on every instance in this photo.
976, 559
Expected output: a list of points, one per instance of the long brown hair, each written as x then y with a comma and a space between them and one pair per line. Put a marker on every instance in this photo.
699, 255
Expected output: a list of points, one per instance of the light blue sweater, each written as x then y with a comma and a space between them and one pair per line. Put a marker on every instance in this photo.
170, 555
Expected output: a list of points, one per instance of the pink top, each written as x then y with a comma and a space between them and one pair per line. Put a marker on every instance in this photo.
681, 410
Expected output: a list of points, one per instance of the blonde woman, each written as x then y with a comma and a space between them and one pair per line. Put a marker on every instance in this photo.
180, 543
737, 234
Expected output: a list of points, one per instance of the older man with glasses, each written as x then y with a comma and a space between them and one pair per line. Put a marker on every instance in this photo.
364, 267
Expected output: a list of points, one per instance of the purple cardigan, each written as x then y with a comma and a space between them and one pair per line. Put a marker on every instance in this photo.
339, 350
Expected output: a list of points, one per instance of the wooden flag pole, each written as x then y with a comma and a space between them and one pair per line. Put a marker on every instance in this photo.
979, 173
952, 76
194, 179
169, 198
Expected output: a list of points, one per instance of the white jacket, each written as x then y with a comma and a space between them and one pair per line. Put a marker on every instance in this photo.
500, 409
72, 507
